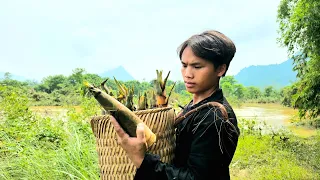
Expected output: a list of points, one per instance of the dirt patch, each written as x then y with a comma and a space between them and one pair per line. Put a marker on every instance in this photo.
239, 173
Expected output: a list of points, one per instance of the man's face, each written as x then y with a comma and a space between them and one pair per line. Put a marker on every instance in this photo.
199, 75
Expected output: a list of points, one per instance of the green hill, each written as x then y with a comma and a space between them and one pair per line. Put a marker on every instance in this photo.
277, 75
119, 73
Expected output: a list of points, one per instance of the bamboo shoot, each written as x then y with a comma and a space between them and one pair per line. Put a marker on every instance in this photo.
126, 118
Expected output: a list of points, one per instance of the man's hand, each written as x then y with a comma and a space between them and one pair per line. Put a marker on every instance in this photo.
135, 147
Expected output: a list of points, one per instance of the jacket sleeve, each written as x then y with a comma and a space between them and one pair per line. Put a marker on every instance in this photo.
205, 157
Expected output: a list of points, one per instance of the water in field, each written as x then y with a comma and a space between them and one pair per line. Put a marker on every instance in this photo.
274, 115
55, 112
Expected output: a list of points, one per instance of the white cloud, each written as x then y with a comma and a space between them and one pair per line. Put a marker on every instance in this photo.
41, 38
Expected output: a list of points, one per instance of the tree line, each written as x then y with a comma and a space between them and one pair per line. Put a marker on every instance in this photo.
58, 90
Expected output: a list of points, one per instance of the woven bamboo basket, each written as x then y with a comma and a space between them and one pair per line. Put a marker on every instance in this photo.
113, 161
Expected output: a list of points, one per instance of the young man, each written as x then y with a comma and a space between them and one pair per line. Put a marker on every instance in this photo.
205, 142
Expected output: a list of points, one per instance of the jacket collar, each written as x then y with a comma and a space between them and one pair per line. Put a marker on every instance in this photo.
216, 96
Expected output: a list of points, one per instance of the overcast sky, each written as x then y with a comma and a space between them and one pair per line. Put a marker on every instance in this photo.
41, 37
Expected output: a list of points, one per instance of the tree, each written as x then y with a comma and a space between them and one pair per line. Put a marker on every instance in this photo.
93, 79
229, 79
287, 93
239, 91
51, 83
76, 77
227, 88
7, 75
299, 29
227, 84
8, 81
253, 92
268, 91
179, 87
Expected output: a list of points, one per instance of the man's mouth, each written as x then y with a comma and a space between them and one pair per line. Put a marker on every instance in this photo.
189, 84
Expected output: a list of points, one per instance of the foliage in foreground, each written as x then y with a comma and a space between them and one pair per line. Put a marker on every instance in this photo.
275, 154
33, 147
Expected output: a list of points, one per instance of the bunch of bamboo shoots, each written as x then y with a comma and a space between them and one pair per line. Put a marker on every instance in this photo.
126, 118
160, 89
121, 105
143, 101
125, 95
153, 99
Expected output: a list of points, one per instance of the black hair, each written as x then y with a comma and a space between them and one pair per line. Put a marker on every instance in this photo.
212, 46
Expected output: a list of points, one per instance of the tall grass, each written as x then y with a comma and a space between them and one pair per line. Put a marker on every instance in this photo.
33, 147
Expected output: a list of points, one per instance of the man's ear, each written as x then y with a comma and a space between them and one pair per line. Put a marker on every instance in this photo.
221, 70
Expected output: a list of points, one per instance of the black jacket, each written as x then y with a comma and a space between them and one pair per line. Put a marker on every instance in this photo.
205, 145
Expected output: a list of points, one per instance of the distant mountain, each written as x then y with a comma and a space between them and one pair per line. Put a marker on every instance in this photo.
276, 75
119, 73
13, 76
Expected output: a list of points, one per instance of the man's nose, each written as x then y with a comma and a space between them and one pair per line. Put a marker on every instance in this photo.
188, 72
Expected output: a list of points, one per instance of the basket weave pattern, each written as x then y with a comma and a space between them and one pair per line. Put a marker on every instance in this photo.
113, 161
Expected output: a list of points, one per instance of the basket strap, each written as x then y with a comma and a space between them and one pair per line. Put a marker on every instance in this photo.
208, 104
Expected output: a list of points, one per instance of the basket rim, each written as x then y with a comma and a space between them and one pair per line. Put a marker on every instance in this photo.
139, 112
152, 110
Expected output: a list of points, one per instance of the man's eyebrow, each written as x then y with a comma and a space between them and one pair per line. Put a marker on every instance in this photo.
195, 63
192, 64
